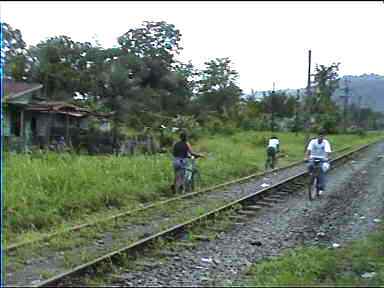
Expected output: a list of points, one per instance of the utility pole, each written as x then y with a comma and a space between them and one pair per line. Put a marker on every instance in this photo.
359, 112
308, 94
346, 97
272, 108
297, 111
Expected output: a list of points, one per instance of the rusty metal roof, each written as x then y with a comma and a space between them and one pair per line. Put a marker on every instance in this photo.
14, 89
55, 106
64, 108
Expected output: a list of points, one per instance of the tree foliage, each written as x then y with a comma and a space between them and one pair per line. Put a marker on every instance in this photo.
144, 83
326, 81
218, 89
59, 65
279, 103
15, 54
153, 39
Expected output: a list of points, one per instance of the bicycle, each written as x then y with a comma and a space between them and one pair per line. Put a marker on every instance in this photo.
313, 188
188, 179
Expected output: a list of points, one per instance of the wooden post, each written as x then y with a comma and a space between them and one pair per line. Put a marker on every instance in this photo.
67, 129
22, 132
297, 102
359, 115
49, 130
272, 108
22, 123
308, 92
346, 97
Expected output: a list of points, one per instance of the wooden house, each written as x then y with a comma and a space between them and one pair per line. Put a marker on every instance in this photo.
30, 120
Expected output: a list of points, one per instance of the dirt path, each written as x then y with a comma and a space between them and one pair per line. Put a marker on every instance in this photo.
351, 207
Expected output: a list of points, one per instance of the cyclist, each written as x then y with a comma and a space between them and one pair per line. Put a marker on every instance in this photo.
319, 148
273, 149
181, 151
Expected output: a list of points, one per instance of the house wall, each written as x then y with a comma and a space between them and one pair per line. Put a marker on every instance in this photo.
84, 123
42, 124
6, 120
10, 109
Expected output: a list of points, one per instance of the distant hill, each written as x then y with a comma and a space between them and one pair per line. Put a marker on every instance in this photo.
370, 87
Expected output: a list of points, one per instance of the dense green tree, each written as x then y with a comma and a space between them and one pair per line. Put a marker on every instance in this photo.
142, 81
58, 64
218, 89
279, 103
162, 84
15, 55
153, 39
326, 81
320, 110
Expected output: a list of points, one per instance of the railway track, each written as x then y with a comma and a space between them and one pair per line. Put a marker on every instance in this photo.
250, 204
48, 236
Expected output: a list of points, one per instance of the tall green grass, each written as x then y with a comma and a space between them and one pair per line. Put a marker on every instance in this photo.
315, 266
45, 190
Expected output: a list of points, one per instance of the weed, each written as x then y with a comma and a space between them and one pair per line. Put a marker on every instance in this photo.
316, 266
51, 190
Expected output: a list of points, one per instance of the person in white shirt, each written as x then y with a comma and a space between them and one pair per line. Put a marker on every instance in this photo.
273, 149
319, 148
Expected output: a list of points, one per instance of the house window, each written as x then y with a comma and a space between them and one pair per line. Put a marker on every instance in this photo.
16, 123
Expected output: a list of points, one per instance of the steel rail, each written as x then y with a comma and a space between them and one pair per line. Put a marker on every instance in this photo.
181, 227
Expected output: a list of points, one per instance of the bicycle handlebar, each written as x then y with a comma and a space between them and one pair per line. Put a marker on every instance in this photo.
195, 157
316, 160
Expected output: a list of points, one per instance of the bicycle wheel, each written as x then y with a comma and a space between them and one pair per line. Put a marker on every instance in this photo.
196, 181
312, 189
188, 185
188, 180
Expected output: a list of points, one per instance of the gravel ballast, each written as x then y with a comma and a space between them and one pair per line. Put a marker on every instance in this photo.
351, 207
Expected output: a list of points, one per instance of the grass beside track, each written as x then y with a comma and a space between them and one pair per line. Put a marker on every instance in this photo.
45, 192
323, 266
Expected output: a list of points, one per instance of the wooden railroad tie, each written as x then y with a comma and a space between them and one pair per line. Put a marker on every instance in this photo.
217, 229
285, 190
301, 183
264, 203
237, 217
274, 200
185, 244
201, 237
281, 193
246, 212
253, 207
295, 186
273, 196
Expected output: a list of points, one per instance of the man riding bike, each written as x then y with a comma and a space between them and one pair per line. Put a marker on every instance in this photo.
273, 149
319, 148
181, 151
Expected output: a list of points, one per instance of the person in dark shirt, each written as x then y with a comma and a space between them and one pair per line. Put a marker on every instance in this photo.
181, 151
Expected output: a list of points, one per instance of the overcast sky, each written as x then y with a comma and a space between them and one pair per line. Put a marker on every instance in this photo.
267, 41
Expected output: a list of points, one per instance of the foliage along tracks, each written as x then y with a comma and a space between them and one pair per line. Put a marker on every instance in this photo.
249, 203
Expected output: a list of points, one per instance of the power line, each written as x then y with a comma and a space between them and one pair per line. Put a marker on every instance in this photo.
272, 108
